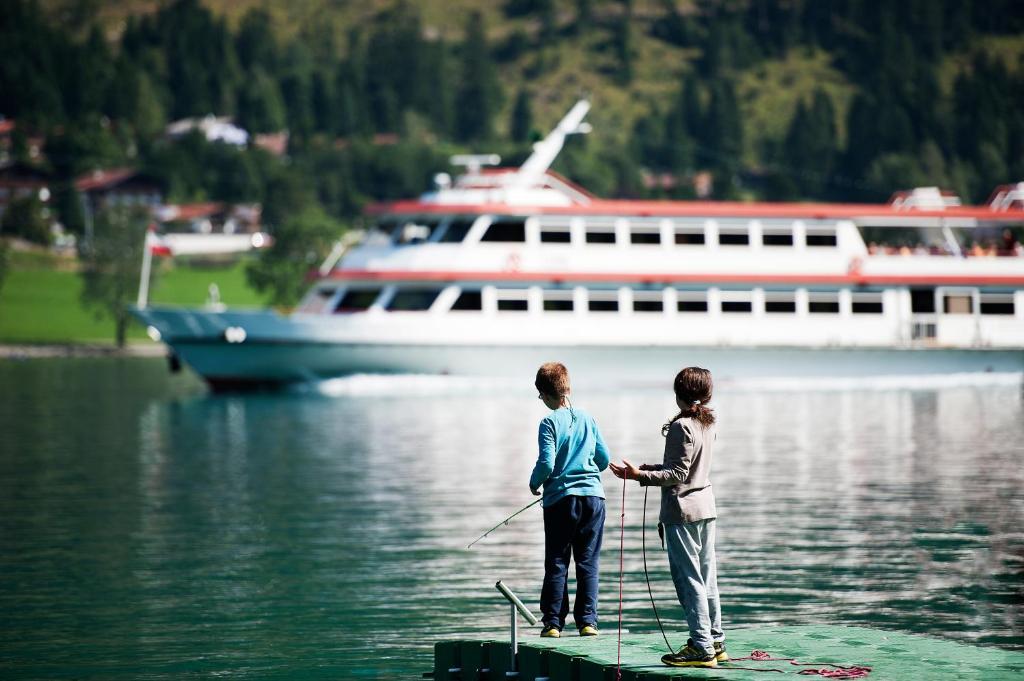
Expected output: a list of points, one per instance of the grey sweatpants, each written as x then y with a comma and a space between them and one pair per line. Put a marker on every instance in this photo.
691, 558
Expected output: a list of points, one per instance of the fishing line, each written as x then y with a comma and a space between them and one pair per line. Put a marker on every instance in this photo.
622, 543
647, 576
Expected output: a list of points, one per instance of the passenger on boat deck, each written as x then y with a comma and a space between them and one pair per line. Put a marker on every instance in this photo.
1010, 244
571, 456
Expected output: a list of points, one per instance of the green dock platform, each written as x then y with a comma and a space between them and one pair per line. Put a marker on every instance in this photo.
890, 655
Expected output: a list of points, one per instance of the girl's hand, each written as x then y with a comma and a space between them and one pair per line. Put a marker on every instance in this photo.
626, 471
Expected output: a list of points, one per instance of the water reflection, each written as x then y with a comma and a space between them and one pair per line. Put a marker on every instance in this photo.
158, 528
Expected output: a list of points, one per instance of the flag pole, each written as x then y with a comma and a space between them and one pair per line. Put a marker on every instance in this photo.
147, 263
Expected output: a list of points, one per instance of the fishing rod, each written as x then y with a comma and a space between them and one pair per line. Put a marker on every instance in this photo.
503, 522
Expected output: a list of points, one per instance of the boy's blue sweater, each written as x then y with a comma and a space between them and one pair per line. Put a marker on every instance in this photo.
571, 458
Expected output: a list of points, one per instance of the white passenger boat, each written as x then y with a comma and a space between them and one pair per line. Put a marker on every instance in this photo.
503, 269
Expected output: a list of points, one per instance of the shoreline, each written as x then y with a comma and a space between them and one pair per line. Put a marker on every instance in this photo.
63, 350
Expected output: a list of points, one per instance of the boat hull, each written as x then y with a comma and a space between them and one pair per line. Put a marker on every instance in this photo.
278, 350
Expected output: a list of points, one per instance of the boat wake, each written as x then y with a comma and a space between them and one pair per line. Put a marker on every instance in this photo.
430, 384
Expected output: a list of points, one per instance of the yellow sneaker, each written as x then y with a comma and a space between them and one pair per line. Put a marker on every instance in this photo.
550, 632
588, 630
720, 654
689, 656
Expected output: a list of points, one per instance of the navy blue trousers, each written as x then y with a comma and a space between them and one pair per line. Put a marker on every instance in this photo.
573, 527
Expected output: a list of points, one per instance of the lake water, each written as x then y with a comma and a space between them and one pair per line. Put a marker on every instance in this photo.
150, 530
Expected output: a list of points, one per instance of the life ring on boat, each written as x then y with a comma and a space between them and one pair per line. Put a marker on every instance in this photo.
855, 266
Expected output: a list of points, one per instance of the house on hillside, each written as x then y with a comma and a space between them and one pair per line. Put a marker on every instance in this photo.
213, 128
19, 181
209, 218
118, 187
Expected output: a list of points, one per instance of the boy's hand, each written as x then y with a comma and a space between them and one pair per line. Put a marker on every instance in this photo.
535, 492
626, 470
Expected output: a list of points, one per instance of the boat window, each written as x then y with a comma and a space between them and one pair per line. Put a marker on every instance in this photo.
691, 301
729, 235
958, 303
600, 231
506, 230
603, 301
867, 303
645, 232
997, 303
689, 232
512, 305
468, 301
317, 301
780, 302
456, 230
737, 306
414, 232
381, 232
558, 301
648, 301
413, 299
922, 300
555, 235
821, 236
512, 300
823, 302
555, 230
777, 233
357, 300
737, 301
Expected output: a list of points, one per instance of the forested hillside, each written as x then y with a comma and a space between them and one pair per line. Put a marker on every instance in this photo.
797, 99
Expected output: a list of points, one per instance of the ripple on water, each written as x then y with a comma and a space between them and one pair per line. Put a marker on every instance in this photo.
160, 532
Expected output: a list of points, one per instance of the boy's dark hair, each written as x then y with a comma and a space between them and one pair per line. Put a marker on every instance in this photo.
693, 387
552, 379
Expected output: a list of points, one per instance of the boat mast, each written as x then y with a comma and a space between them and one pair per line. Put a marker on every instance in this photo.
545, 151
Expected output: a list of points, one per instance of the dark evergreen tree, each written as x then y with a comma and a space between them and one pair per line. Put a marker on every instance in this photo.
521, 124
691, 109
810, 145
584, 15
255, 42
441, 104
623, 46
30, 64
260, 104
479, 91
723, 139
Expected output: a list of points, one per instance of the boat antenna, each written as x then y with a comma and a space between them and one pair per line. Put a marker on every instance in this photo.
504, 522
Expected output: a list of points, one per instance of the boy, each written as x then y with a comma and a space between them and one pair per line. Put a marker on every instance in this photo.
571, 456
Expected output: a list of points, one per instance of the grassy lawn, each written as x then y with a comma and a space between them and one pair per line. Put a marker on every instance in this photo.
39, 300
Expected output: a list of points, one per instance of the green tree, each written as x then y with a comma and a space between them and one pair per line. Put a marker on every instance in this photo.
584, 16
111, 263
723, 131
810, 146
301, 242
521, 124
691, 108
255, 42
5, 262
67, 204
26, 218
479, 91
624, 47
260, 104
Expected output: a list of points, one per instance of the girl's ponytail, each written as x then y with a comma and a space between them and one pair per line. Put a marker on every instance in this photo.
693, 387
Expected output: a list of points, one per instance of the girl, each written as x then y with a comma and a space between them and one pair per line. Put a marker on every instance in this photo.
688, 514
